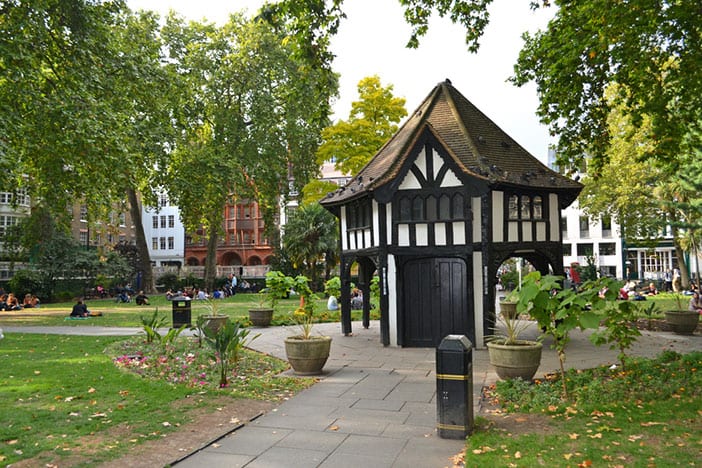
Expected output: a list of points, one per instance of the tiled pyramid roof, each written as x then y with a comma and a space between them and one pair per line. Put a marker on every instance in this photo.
477, 144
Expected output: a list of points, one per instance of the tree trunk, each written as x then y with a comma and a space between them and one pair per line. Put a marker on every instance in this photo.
147, 275
684, 275
211, 259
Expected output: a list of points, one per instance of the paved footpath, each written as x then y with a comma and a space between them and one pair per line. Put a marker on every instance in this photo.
374, 406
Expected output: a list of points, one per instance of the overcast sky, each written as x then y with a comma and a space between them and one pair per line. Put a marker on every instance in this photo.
371, 42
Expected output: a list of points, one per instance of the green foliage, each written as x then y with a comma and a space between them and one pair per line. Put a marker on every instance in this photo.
278, 287
375, 291
617, 329
169, 281
226, 344
582, 53
557, 311
311, 240
151, 324
28, 281
372, 121
332, 287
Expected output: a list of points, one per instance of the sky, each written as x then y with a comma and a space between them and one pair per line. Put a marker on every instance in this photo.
371, 41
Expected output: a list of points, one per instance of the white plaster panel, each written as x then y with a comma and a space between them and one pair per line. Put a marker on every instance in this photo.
540, 231
403, 237
498, 200
512, 231
410, 182
421, 233
478, 298
477, 219
376, 223
440, 234
392, 299
344, 243
437, 161
388, 224
553, 210
450, 180
352, 241
526, 231
421, 162
459, 233
367, 238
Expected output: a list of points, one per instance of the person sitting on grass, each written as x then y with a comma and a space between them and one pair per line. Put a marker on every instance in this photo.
80, 309
696, 303
141, 298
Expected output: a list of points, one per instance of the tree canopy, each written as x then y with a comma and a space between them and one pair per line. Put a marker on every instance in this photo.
250, 111
372, 121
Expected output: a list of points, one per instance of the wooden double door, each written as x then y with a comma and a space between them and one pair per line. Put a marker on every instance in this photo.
436, 301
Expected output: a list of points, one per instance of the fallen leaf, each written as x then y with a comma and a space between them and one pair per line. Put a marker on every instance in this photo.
334, 428
517, 454
596, 436
567, 456
166, 424
653, 423
91, 390
12, 442
573, 436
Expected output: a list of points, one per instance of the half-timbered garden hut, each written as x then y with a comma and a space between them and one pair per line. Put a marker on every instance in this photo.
434, 214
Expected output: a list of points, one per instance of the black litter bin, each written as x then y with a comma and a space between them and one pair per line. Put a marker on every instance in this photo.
181, 311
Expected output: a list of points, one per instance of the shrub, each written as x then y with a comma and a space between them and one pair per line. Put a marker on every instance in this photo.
169, 281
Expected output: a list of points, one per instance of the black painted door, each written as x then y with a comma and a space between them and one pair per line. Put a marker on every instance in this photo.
436, 301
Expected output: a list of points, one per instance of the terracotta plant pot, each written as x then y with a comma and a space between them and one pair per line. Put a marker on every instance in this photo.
518, 360
261, 317
682, 322
307, 356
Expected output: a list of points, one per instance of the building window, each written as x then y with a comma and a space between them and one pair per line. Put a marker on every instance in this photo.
359, 215
585, 250
122, 219
154, 222
584, 227
608, 248
526, 207
564, 228
83, 215
154, 243
163, 200
6, 222
162, 243
83, 237
513, 207
457, 206
567, 250
163, 222
606, 226
171, 221
171, 243
537, 205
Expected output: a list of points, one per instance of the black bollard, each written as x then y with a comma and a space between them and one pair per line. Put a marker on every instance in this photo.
454, 387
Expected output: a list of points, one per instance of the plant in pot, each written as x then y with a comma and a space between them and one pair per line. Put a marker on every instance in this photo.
511, 356
212, 319
307, 353
508, 304
682, 321
277, 287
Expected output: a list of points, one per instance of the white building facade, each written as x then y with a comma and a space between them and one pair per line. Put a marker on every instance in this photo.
164, 233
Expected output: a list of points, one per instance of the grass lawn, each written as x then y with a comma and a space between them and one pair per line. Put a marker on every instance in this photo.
128, 315
650, 415
65, 396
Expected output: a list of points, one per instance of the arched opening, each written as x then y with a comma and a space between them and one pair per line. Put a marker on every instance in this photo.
254, 261
230, 258
192, 261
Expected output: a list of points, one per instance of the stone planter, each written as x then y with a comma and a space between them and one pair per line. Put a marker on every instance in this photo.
518, 360
260, 317
307, 357
508, 309
215, 322
682, 322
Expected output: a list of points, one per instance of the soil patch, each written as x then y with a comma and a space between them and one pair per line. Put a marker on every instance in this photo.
511, 423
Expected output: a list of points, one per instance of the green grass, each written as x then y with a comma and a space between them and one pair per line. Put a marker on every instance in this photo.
128, 315
64, 395
647, 416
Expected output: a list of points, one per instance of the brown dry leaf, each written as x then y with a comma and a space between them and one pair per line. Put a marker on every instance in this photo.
91, 390
123, 393
567, 456
596, 436
520, 419
653, 423
334, 428
571, 410
477, 451
517, 454
585, 464
12, 442
635, 437
573, 436
552, 408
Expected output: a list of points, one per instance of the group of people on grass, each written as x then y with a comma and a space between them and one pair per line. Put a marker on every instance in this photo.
8, 301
